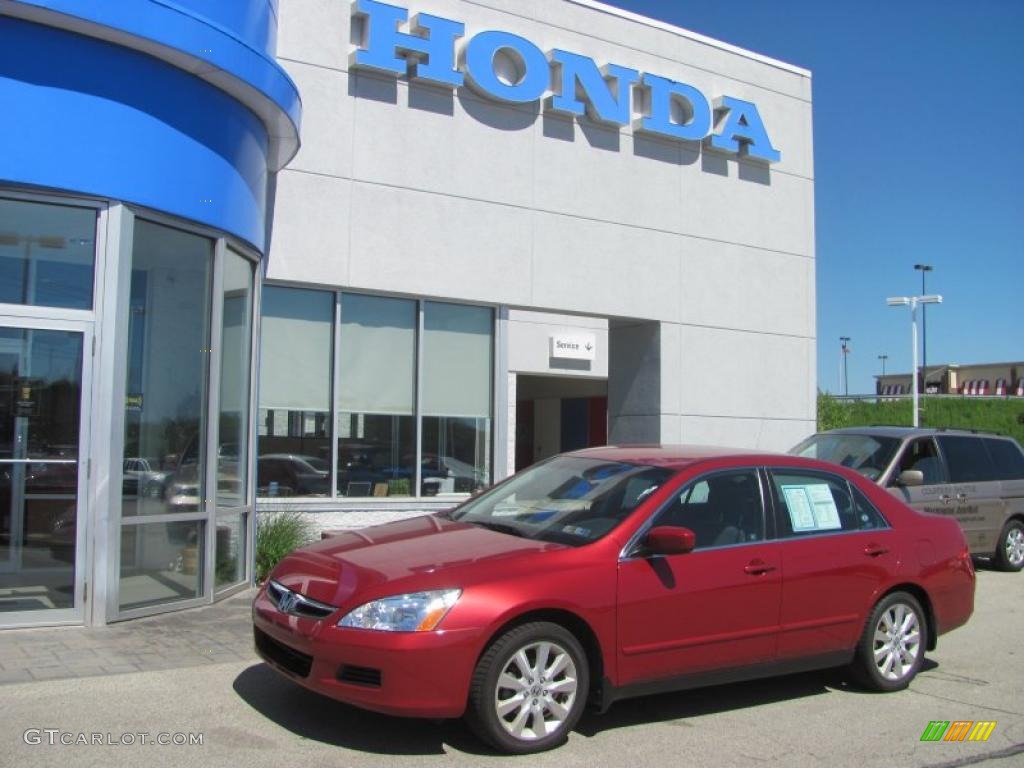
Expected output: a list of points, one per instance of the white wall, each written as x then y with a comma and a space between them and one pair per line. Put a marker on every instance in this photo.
412, 189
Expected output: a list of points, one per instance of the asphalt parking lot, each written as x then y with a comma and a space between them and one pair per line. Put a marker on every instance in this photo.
248, 715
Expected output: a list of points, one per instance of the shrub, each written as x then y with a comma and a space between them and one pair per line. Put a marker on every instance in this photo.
1002, 415
398, 487
277, 534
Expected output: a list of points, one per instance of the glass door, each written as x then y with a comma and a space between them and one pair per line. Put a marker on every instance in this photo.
42, 467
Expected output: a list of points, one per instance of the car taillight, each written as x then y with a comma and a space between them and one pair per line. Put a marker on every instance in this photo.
966, 561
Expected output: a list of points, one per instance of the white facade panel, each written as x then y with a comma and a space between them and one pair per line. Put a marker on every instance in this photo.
583, 265
300, 252
327, 121
439, 245
750, 374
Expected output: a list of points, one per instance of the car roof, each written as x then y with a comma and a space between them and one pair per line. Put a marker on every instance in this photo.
903, 432
674, 456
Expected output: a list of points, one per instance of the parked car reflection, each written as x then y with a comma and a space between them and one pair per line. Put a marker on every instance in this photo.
289, 474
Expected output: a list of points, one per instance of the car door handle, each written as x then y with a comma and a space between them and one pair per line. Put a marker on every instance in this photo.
874, 550
758, 568
961, 497
945, 498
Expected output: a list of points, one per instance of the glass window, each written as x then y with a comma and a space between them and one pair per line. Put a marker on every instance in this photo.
161, 563
40, 393
921, 455
966, 459
867, 454
295, 392
568, 499
457, 374
46, 254
1007, 457
722, 509
868, 516
233, 424
376, 397
168, 356
814, 503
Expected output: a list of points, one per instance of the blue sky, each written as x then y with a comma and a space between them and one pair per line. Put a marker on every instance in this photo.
919, 157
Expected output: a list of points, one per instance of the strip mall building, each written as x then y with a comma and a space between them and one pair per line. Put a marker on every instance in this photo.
364, 259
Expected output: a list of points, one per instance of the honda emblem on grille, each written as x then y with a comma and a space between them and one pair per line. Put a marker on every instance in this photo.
288, 602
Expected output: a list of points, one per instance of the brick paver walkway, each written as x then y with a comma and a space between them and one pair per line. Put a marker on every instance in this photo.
215, 633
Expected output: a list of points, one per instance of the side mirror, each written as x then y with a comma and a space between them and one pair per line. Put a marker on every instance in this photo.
670, 540
910, 478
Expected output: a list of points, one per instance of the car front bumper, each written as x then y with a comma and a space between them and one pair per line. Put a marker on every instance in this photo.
408, 674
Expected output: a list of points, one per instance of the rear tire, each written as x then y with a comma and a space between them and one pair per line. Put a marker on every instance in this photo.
891, 649
1009, 555
529, 689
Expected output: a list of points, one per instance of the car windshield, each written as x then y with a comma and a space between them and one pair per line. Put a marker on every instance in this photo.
867, 454
569, 499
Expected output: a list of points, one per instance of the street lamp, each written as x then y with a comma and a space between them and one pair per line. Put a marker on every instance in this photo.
924, 269
912, 302
845, 340
883, 358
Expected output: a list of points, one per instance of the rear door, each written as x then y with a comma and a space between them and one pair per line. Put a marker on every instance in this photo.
976, 489
837, 552
1009, 465
716, 607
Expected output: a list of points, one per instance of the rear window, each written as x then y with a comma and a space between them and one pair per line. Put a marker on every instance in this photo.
1007, 458
967, 460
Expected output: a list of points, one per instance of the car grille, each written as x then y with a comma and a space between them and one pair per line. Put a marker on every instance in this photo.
295, 604
360, 676
296, 662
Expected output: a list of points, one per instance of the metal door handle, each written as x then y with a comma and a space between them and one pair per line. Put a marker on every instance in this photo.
961, 497
758, 568
874, 550
945, 498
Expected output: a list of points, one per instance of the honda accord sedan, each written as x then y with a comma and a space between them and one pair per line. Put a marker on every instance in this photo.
617, 572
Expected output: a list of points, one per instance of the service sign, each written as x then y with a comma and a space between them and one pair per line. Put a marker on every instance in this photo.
573, 346
505, 67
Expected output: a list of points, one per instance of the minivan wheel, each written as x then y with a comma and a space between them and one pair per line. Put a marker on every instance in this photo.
891, 650
529, 689
1010, 551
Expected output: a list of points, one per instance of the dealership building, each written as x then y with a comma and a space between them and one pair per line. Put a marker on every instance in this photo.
363, 259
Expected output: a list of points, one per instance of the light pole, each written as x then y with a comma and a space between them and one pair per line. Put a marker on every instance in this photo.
924, 269
912, 302
845, 341
883, 358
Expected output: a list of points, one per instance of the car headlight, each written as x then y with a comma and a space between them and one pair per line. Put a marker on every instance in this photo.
414, 612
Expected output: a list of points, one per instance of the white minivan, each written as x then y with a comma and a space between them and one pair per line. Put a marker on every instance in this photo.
977, 478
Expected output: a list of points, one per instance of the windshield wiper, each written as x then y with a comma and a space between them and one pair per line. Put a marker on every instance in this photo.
511, 530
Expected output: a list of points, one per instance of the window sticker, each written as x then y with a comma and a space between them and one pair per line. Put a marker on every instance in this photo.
811, 507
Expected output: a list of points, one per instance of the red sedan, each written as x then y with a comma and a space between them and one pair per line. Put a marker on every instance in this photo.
616, 572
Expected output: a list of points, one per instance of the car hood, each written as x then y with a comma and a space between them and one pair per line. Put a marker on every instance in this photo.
425, 552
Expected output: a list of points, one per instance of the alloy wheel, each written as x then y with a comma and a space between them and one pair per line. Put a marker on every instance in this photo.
897, 641
1015, 547
536, 691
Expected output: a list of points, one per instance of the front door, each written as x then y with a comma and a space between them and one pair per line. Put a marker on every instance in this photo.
711, 609
42, 472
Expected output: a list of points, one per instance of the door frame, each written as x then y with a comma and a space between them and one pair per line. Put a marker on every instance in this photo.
75, 614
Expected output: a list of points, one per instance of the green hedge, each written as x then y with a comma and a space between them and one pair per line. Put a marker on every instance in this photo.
1005, 417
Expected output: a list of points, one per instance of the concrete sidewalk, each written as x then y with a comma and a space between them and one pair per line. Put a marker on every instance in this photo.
213, 634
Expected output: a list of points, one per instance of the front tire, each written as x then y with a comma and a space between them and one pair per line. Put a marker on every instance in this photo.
1009, 554
891, 650
529, 689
